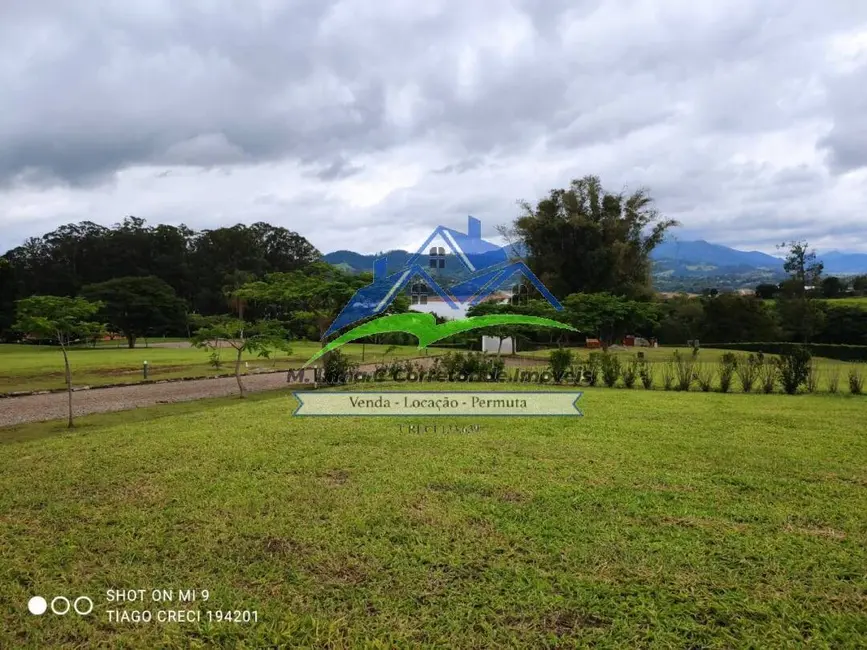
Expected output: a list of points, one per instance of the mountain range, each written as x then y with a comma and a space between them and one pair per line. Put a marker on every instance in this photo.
672, 259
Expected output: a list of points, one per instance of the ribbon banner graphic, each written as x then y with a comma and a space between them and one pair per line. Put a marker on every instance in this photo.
457, 403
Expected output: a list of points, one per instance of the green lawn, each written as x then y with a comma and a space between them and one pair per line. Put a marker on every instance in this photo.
657, 520
31, 367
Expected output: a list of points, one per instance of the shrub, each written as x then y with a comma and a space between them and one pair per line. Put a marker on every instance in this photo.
559, 362
645, 371
856, 381
576, 372
610, 369
668, 372
793, 367
215, 360
704, 375
812, 382
748, 371
728, 364
768, 376
684, 370
833, 380
472, 365
336, 368
591, 370
630, 372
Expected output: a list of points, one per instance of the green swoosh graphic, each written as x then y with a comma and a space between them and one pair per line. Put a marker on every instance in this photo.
424, 327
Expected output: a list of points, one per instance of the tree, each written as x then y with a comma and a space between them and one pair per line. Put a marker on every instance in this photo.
260, 338
804, 269
63, 319
609, 317
314, 295
767, 291
585, 239
731, 318
833, 287
859, 284
798, 312
138, 306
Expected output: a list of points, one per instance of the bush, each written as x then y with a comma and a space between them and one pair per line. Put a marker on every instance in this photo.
215, 360
856, 381
768, 375
794, 368
684, 370
559, 362
704, 375
833, 380
472, 365
813, 378
630, 372
748, 371
645, 371
591, 370
668, 372
728, 364
610, 369
827, 350
336, 368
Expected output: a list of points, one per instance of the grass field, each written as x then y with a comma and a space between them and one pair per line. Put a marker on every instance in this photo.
30, 367
657, 520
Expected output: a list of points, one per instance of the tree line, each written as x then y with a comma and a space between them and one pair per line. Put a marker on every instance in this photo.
590, 246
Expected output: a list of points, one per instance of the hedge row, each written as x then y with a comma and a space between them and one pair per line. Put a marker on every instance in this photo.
827, 350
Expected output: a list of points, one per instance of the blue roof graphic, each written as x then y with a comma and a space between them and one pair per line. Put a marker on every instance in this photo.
487, 263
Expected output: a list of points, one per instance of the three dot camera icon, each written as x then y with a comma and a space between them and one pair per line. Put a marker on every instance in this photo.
60, 605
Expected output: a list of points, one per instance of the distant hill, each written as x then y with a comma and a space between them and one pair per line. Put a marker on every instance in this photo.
689, 260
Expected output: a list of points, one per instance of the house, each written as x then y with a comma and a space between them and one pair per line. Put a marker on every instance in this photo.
488, 264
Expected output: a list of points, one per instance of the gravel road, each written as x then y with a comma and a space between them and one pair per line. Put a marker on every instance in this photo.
52, 406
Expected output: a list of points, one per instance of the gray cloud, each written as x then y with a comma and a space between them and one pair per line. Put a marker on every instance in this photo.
367, 114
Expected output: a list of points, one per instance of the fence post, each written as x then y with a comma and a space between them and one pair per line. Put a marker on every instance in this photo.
145, 369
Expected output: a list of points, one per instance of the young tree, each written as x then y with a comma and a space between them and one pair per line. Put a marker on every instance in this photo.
260, 338
137, 306
62, 319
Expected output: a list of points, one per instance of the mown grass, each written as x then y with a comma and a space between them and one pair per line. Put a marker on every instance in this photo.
31, 367
657, 520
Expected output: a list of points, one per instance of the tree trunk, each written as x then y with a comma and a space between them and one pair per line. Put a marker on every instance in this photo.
69, 424
130, 341
238, 373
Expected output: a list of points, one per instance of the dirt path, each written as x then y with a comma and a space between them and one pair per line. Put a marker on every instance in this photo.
52, 406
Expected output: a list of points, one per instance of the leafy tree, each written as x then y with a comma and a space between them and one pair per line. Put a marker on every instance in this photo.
585, 239
260, 338
833, 287
767, 291
681, 319
313, 295
138, 306
609, 317
859, 284
62, 319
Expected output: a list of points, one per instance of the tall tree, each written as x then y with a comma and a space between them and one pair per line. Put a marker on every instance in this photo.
585, 239
63, 319
799, 313
138, 306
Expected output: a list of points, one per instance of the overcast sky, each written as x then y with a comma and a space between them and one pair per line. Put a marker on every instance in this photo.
363, 124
